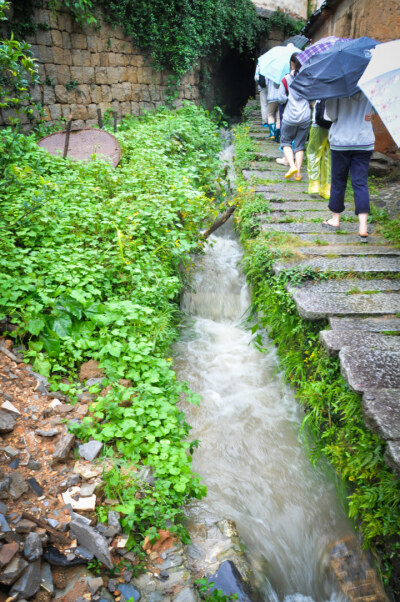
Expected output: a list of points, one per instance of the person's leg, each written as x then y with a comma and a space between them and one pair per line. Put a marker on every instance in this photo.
271, 119
299, 146
264, 106
277, 124
340, 172
359, 181
313, 161
288, 154
287, 133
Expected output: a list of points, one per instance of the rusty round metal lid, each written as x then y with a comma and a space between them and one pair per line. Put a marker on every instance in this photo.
83, 144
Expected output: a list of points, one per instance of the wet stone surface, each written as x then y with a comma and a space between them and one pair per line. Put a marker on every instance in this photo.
334, 340
381, 412
316, 227
356, 366
367, 324
347, 285
295, 206
314, 306
346, 264
360, 249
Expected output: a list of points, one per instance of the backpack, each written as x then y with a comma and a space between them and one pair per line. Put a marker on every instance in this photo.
262, 82
319, 115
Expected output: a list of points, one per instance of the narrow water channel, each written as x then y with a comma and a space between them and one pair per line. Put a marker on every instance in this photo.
250, 457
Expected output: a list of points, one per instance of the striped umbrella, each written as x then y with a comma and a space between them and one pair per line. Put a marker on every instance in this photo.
320, 46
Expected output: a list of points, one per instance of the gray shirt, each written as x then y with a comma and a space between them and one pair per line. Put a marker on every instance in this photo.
349, 130
297, 109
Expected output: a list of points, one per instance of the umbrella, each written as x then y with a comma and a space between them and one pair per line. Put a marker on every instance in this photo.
275, 63
299, 41
380, 82
320, 46
335, 72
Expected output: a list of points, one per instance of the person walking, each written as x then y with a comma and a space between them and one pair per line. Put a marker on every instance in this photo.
262, 87
352, 141
295, 121
273, 111
318, 153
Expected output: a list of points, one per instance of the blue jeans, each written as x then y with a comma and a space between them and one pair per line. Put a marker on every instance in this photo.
355, 162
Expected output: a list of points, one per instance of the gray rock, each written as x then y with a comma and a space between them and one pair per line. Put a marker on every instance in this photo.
156, 597
11, 452
299, 205
367, 369
49, 433
343, 264
381, 412
7, 553
29, 582
171, 562
63, 447
366, 324
92, 541
392, 456
34, 465
3, 508
112, 585
93, 381
315, 306
113, 520
13, 570
95, 584
25, 526
334, 340
32, 547
90, 450
34, 485
381, 165
52, 522
228, 579
7, 421
87, 489
72, 481
4, 527
186, 595
46, 578
4, 488
295, 214
18, 485
128, 591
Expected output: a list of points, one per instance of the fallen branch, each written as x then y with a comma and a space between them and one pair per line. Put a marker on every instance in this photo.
220, 221
43, 525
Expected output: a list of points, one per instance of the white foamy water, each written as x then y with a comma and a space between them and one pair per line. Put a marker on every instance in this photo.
250, 458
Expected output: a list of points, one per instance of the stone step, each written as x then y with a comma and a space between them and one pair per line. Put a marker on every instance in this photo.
267, 154
366, 324
300, 205
262, 174
350, 286
344, 264
369, 369
334, 340
315, 227
317, 306
269, 166
333, 239
360, 249
381, 412
295, 215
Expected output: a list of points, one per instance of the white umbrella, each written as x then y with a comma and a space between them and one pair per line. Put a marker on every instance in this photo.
380, 82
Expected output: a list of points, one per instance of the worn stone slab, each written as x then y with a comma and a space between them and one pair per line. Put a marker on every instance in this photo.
381, 412
315, 227
333, 239
264, 165
392, 456
360, 249
304, 215
269, 152
345, 264
316, 306
300, 205
347, 285
367, 324
334, 340
367, 369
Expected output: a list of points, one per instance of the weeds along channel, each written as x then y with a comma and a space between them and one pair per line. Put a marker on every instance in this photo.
92, 262
333, 425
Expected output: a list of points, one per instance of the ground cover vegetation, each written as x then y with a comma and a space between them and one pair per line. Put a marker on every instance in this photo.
93, 260
333, 427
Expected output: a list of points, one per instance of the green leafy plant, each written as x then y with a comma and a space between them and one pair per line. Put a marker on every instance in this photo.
208, 591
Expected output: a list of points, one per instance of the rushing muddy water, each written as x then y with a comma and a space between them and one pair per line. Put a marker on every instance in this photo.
248, 423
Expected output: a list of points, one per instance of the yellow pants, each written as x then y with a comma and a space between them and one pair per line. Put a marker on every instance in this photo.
319, 162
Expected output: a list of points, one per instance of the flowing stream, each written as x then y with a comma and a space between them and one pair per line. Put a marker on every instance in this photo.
250, 458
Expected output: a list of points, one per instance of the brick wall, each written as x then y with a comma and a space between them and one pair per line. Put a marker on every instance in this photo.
82, 70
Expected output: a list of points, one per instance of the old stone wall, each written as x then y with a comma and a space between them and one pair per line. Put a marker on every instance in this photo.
83, 69
355, 18
295, 7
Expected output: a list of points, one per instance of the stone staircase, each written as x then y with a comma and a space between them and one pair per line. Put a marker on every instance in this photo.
363, 313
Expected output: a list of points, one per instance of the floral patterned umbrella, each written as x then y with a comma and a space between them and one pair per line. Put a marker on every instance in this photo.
380, 82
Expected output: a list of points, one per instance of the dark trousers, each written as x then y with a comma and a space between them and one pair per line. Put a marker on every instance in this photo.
355, 162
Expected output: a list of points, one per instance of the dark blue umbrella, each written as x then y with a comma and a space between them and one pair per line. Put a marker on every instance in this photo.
299, 41
335, 72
